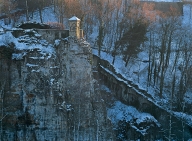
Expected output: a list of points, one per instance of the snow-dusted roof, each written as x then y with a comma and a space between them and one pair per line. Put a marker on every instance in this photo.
74, 18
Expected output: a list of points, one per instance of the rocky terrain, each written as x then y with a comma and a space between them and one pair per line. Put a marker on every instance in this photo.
47, 90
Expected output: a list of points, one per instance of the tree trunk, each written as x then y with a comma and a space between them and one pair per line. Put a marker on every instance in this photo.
149, 68
40, 15
27, 12
113, 60
127, 60
162, 80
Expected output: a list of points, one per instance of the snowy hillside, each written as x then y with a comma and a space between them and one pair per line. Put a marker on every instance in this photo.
136, 71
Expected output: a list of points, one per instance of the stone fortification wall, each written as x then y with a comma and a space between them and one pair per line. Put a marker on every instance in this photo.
47, 34
52, 34
130, 94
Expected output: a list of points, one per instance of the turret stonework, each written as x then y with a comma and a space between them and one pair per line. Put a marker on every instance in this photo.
74, 27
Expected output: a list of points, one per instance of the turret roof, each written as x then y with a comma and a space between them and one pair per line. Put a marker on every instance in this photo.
74, 18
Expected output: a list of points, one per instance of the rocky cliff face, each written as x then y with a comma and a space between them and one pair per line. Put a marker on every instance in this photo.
47, 90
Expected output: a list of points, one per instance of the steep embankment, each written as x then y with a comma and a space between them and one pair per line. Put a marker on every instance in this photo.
156, 118
47, 90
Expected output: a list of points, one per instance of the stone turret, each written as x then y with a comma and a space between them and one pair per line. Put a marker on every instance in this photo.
74, 27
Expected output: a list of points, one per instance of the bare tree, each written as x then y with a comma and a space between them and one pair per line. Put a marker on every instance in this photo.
170, 24
2, 108
7, 7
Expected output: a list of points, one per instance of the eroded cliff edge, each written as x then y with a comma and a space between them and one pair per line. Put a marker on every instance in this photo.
47, 89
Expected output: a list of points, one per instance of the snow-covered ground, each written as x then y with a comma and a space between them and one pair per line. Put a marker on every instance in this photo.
27, 43
187, 14
141, 67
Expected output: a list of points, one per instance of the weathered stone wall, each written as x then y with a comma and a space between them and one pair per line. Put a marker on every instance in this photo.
47, 34
52, 34
130, 94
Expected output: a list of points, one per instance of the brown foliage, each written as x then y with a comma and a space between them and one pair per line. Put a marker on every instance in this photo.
71, 8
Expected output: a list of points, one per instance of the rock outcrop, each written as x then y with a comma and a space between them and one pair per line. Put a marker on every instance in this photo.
47, 90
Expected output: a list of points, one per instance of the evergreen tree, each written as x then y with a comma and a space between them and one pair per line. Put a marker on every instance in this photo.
132, 39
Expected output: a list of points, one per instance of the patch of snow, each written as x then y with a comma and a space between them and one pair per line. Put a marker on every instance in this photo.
103, 87
18, 56
62, 105
28, 30
120, 112
31, 65
188, 97
68, 107
37, 35
6, 39
37, 58
43, 42
187, 16
185, 117
35, 71
26, 43
57, 42
51, 81
54, 67
74, 18
16, 29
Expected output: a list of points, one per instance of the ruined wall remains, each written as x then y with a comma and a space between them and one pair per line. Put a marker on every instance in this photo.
52, 34
131, 94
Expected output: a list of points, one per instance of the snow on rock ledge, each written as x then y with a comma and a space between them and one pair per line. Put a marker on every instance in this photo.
121, 112
29, 41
